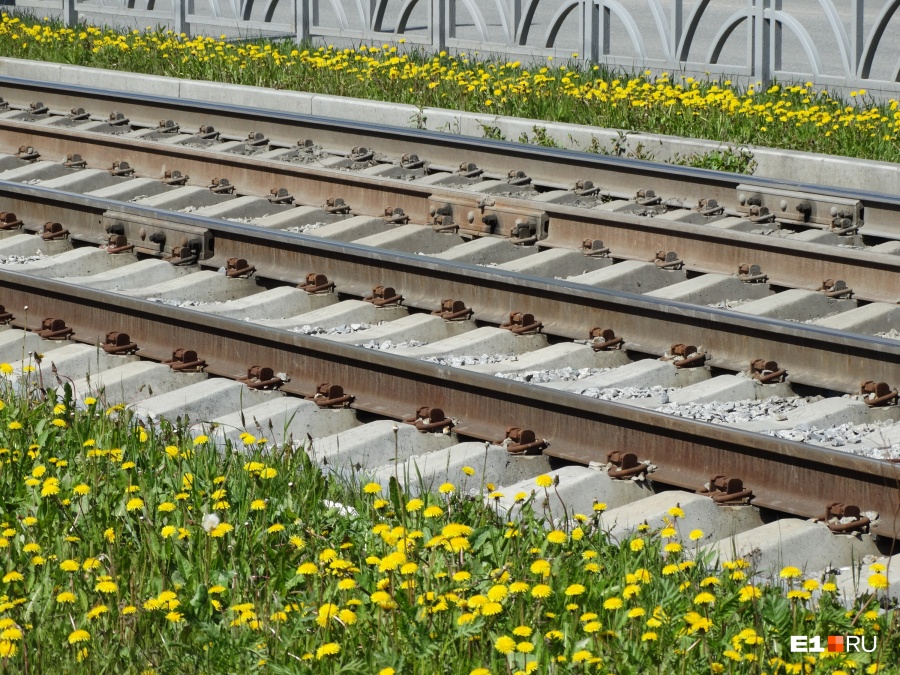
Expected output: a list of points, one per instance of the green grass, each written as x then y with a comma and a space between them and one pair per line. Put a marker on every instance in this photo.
143, 550
798, 117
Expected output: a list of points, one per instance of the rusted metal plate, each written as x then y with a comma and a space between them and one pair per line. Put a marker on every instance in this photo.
812, 355
783, 475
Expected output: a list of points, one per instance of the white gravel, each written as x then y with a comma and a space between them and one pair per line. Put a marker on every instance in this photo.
182, 303
892, 334
21, 259
846, 437
727, 304
334, 330
736, 412
555, 375
300, 229
388, 345
461, 361
660, 394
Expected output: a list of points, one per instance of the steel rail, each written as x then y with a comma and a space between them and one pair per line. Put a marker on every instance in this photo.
550, 165
783, 475
797, 264
813, 355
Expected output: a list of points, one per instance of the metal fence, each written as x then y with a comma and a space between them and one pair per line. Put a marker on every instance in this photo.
843, 44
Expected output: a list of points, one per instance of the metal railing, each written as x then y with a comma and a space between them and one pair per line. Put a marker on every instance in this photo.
835, 43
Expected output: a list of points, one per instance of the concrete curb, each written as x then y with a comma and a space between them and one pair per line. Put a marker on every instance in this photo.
805, 167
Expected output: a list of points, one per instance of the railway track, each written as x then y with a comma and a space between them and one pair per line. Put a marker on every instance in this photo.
515, 307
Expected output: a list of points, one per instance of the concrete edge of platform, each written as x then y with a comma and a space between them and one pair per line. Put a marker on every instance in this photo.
805, 167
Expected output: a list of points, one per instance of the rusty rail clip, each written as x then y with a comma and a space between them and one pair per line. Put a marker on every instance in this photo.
207, 132
360, 153
331, 396
429, 419
627, 464
53, 231
261, 377
383, 296
444, 223
119, 343
453, 310
751, 274
27, 153
877, 394
118, 243
523, 232
766, 372
842, 223
469, 170
839, 511
647, 197
182, 255
522, 442
185, 359
257, 139
78, 114
685, 356
411, 161
316, 283
5, 317
836, 288
120, 168
221, 186
604, 339
668, 260
168, 127
280, 196
585, 188
709, 207
175, 177
521, 323
594, 247
517, 178
54, 329
8, 221
74, 161
727, 491
394, 214
37, 108
336, 205
238, 268
761, 215
117, 119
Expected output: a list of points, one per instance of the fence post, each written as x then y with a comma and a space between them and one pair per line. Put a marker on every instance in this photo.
762, 53
301, 21
857, 36
70, 13
182, 24
676, 28
592, 26
439, 25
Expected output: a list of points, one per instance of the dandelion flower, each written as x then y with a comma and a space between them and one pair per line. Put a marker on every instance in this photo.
12, 576
210, 522
544, 481
504, 644
790, 572
575, 589
704, 599
69, 566
77, 636
257, 505
134, 504
414, 505
372, 488
65, 597
636, 545
612, 603
328, 649
106, 587
541, 591
748, 593
446, 488
556, 537
878, 581
525, 647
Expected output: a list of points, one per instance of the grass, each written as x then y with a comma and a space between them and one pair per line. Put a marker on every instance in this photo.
798, 117
137, 549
